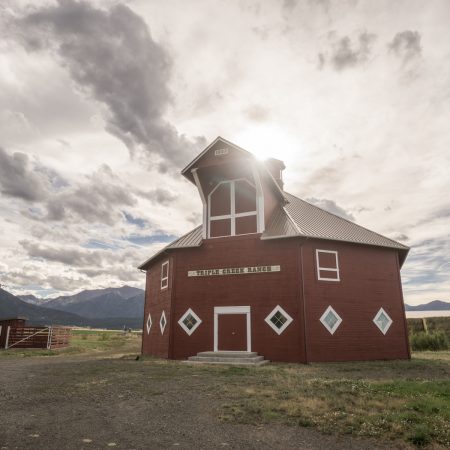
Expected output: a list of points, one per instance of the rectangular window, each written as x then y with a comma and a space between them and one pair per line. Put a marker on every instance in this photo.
327, 265
165, 275
232, 207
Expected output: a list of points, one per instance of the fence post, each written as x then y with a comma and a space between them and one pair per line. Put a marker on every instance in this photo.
425, 325
49, 338
7, 337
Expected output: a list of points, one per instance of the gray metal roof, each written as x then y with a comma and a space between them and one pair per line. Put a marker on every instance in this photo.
300, 218
191, 239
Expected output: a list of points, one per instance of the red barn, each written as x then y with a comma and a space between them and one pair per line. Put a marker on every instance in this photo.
267, 272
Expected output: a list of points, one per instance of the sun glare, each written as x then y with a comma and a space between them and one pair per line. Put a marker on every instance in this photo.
270, 142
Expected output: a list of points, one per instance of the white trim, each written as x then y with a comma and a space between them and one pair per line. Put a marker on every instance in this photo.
289, 319
182, 324
224, 141
165, 280
330, 269
149, 323
231, 310
259, 199
202, 196
325, 324
233, 214
161, 326
390, 321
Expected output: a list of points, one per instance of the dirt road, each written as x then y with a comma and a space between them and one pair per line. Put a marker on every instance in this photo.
100, 403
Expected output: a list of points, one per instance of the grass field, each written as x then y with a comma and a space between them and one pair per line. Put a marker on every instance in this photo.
407, 401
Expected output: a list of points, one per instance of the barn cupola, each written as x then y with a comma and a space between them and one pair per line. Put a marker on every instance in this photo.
276, 167
238, 192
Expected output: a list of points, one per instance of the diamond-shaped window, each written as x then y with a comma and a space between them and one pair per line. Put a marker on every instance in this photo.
189, 321
382, 321
162, 322
331, 320
149, 323
278, 319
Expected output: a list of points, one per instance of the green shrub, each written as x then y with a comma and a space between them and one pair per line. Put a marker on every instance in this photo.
432, 341
104, 337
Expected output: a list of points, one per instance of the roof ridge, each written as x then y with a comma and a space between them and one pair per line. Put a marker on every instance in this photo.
348, 221
291, 219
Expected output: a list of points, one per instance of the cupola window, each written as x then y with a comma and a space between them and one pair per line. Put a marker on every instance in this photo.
232, 209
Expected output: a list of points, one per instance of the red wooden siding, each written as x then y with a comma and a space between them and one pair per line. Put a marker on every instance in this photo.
157, 300
369, 281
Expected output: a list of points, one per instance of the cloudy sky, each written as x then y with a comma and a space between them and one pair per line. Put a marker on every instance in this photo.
102, 103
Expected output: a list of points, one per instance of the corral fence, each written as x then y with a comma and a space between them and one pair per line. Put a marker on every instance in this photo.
21, 336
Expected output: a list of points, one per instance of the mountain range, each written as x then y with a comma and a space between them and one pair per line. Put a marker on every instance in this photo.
110, 308
435, 305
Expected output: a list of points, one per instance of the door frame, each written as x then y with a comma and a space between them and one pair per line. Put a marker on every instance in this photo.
232, 310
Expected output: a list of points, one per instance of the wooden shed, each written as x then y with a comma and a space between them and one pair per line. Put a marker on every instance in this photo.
270, 273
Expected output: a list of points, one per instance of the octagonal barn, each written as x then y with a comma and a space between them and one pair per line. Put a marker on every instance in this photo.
267, 272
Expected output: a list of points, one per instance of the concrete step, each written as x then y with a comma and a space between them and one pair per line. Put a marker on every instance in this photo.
233, 358
253, 359
239, 363
224, 354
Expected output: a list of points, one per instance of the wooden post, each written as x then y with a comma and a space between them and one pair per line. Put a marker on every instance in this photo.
425, 325
49, 338
7, 337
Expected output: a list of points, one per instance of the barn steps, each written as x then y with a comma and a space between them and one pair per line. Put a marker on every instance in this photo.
232, 358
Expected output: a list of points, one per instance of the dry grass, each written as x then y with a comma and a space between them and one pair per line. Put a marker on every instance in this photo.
407, 400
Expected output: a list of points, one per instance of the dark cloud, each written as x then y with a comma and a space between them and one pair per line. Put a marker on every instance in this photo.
332, 207
97, 200
112, 57
159, 195
17, 178
346, 53
63, 254
406, 45
162, 196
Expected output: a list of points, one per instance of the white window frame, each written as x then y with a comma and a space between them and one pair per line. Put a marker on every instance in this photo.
185, 328
165, 280
278, 308
147, 324
382, 311
325, 324
161, 326
233, 215
329, 269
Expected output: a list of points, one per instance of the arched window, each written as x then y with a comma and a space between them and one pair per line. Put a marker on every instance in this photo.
232, 209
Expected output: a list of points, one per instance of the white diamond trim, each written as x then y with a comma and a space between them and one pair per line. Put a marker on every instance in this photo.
377, 317
279, 309
325, 324
149, 323
185, 328
162, 323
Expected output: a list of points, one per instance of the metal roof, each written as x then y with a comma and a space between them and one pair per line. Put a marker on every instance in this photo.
300, 218
191, 239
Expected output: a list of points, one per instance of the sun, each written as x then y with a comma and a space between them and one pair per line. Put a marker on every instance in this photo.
269, 141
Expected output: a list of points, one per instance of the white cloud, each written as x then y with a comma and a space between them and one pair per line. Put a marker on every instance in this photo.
372, 138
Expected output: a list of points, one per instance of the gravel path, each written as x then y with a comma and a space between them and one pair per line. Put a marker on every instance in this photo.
94, 403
